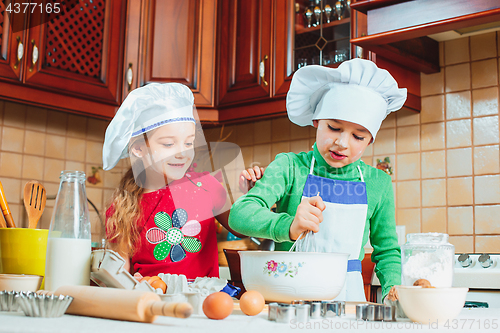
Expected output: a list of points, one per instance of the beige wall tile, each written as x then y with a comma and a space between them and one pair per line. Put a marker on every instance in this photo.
434, 219
229, 133
433, 136
111, 178
52, 170
279, 147
486, 218
459, 191
385, 142
367, 160
32, 167
262, 155
406, 117
247, 153
96, 128
34, 143
55, 146
212, 134
368, 150
433, 164
312, 131
244, 134
485, 101
76, 166
463, 244
36, 118
457, 77
456, 51
280, 129
408, 194
460, 220
433, 193
12, 139
298, 146
407, 139
486, 130
432, 109
483, 46
75, 149
487, 189
52, 189
410, 218
458, 105
298, 132
10, 165
458, 133
44, 222
77, 126
14, 115
487, 244
459, 162
484, 73
95, 195
57, 122
262, 132
431, 84
389, 121
486, 160
408, 166
12, 190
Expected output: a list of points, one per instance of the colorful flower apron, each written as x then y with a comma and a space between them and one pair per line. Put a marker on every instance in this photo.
343, 225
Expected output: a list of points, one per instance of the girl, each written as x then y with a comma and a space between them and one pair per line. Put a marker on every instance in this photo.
161, 218
355, 201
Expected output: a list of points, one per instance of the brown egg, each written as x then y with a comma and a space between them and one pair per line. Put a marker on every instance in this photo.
252, 302
218, 305
424, 283
159, 283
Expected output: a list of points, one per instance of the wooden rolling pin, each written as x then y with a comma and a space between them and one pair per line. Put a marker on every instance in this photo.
121, 304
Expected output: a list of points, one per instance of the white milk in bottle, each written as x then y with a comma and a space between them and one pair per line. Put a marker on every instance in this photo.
69, 242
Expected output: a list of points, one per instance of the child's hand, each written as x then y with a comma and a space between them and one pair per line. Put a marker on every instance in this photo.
308, 217
249, 177
138, 276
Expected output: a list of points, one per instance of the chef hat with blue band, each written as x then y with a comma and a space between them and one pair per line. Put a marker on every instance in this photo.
357, 91
145, 109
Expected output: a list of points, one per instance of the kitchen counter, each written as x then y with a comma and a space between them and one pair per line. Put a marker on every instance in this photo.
469, 319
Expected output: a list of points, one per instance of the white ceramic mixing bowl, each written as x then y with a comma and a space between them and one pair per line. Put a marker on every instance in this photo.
424, 305
287, 276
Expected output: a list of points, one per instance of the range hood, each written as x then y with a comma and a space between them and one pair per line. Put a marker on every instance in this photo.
408, 32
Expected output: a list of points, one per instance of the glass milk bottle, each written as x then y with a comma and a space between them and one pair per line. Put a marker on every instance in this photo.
427, 256
69, 241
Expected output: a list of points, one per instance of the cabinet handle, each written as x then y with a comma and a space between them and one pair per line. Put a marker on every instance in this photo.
262, 70
34, 56
130, 76
20, 52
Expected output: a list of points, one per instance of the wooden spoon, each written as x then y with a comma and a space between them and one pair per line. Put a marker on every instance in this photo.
35, 197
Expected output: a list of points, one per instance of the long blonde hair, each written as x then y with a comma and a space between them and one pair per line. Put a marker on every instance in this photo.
122, 227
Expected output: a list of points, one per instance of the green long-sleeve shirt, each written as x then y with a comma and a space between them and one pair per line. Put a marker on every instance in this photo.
283, 183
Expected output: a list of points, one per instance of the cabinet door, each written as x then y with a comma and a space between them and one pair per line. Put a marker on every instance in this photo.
79, 52
12, 44
246, 55
283, 46
179, 46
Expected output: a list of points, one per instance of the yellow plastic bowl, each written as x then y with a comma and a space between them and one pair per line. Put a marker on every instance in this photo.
23, 251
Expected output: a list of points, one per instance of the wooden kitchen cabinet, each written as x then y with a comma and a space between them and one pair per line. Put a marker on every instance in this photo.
173, 41
72, 62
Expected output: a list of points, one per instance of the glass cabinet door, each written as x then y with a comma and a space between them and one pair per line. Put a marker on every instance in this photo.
322, 32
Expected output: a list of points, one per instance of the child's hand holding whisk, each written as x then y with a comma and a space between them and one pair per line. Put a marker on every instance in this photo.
308, 217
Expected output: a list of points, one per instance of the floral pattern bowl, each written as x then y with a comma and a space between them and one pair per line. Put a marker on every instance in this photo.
287, 276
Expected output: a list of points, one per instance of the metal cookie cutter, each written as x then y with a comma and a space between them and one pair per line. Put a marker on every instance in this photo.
375, 312
332, 308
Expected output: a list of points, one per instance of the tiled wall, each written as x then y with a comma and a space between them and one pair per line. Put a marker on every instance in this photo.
445, 159
36, 144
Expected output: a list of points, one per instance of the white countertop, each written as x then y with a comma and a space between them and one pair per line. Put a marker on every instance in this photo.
469, 319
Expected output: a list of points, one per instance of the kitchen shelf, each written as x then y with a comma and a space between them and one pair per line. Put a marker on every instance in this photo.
325, 26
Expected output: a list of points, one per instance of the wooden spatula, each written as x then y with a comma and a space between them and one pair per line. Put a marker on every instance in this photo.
34, 201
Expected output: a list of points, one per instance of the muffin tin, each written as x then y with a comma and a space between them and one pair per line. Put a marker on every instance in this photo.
34, 305
303, 311
8, 301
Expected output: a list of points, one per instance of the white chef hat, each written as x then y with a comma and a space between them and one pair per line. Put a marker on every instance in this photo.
145, 109
357, 91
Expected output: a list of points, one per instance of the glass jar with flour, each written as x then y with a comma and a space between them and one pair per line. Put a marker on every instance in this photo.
427, 256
